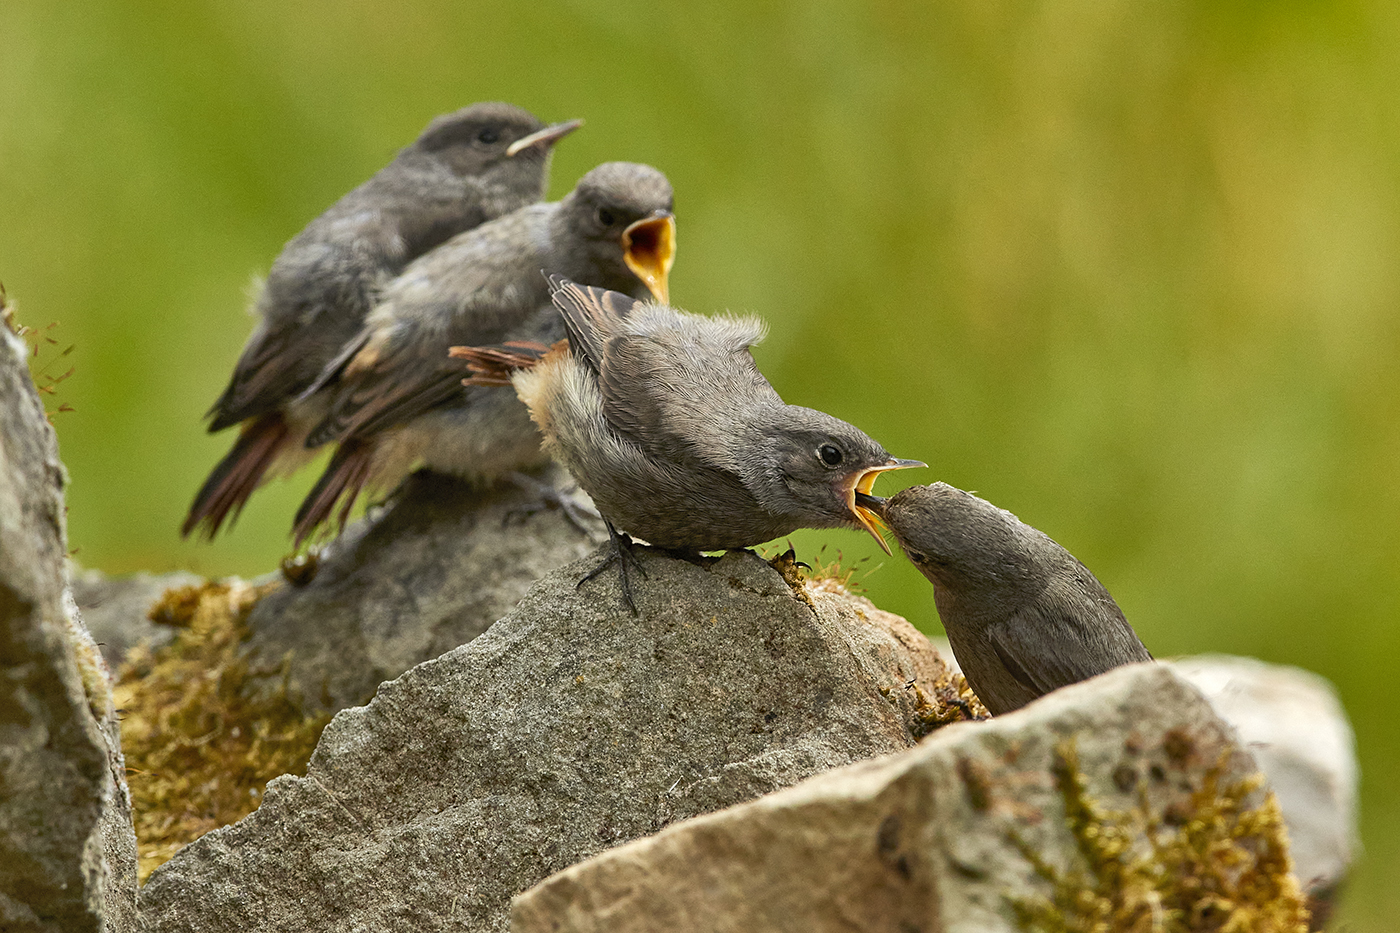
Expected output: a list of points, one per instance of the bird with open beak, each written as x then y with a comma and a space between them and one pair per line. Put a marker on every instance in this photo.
663, 418
396, 399
467, 167
1024, 616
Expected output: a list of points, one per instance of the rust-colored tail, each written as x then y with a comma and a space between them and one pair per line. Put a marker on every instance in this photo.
233, 480
492, 366
342, 481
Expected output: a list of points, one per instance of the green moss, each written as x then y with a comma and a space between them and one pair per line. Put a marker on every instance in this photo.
1213, 864
204, 730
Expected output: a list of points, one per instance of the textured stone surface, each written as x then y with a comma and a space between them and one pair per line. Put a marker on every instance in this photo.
1293, 724
67, 854
114, 608
432, 570
915, 841
568, 727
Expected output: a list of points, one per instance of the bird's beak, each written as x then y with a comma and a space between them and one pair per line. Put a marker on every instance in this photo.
543, 138
868, 509
649, 248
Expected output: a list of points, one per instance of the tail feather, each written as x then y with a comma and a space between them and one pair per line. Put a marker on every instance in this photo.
237, 475
341, 482
492, 366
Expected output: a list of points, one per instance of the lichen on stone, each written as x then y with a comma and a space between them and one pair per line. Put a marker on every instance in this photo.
1214, 863
204, 729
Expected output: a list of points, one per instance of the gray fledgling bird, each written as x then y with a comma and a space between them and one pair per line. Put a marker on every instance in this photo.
663, 418
1023, 616
466, 167
397, 399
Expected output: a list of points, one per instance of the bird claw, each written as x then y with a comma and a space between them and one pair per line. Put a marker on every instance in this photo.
554, 499
621, 555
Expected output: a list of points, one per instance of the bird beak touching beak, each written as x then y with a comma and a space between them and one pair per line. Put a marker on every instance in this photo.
543, 138
866, 508
649, 249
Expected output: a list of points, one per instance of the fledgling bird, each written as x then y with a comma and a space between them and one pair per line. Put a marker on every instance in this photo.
397, 399
1023, 616
467, 167
663, 418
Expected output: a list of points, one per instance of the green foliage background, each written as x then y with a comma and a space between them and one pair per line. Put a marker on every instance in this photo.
1130, 270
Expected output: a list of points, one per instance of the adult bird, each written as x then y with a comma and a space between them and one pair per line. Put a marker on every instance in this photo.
1024, 616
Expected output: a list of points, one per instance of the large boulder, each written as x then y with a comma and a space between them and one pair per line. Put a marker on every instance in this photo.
1036, 820
67, 852
431, 570
569, 726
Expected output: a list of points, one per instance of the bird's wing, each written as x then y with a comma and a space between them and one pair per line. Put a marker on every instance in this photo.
1074, 631
591, 317
470, 294
686, 386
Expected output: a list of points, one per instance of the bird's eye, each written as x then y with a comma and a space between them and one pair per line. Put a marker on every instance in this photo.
830, 454
605, 217
488, 135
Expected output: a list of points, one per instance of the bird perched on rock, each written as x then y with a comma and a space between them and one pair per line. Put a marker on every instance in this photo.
467, 167
1023, 616
396, 398
663, 418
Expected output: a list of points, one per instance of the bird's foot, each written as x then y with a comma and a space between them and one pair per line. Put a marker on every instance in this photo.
622, 556
583, 517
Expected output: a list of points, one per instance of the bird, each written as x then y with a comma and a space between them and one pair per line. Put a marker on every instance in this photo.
466, 167
664, 419
1024, 616
396, 399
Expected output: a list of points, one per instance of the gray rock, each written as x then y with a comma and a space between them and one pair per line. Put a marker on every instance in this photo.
1294, 725
432, 570
67, 852
567, 727
920, 840
114, 608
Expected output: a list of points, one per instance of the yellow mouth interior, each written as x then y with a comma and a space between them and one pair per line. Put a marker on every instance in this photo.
863, 483
649, 249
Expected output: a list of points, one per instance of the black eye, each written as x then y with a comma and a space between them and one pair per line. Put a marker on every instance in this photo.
830, 454
605, 217
488, 135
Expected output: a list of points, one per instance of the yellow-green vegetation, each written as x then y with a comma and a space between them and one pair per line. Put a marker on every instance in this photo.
42, 366
1213, 864
952, 701
203, 729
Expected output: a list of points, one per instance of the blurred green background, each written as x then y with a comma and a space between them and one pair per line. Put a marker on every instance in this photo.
1129, 270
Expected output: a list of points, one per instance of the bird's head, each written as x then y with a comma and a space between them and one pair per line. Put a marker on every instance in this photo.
822, 466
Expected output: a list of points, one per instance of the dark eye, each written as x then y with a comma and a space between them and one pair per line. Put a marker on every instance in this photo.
488, 135
605, 217
830, 454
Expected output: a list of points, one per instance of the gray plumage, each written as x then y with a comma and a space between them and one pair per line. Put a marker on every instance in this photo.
1023, 615
465, 168
664, 419
395, 399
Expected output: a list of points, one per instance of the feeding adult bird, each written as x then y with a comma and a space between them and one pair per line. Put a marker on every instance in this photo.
397, 399
466, 167
663, 418
1024, 616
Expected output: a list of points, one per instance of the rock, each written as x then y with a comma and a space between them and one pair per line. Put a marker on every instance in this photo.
942, 838
1294, 725
433, 570
567, 727
67, 853
114, 608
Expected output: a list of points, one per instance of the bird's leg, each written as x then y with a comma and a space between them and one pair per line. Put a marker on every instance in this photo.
621, 555
550, 497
